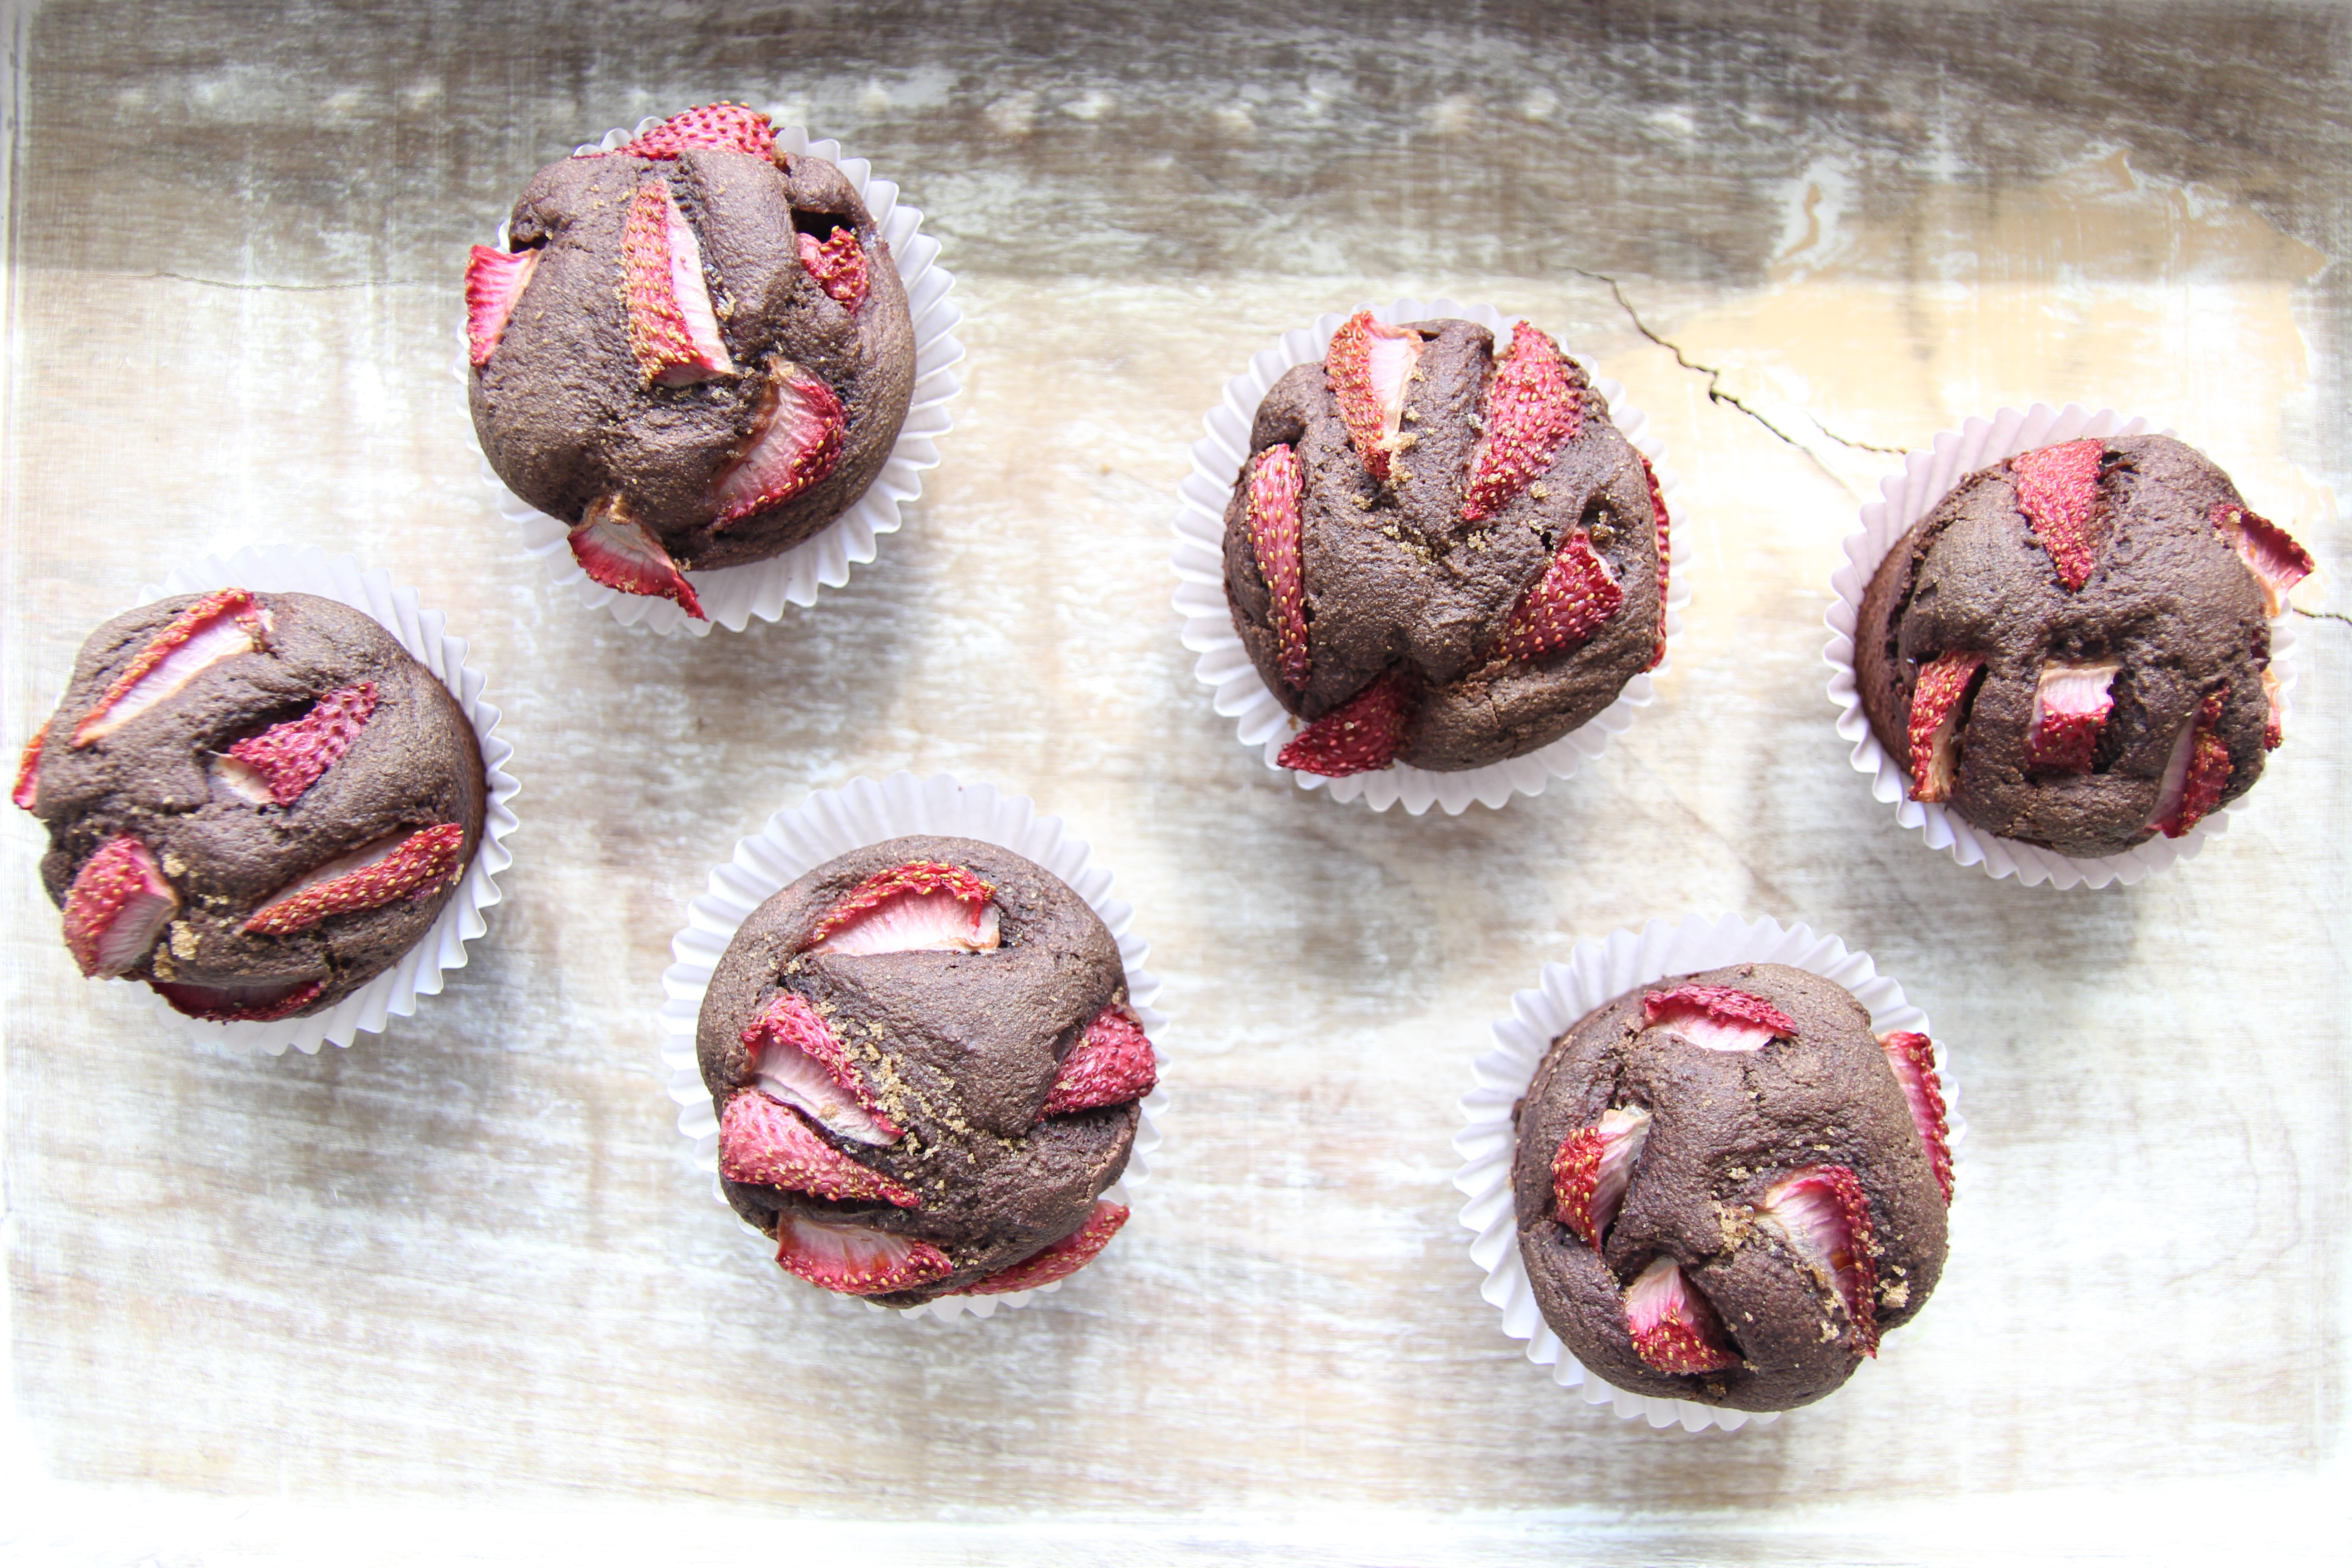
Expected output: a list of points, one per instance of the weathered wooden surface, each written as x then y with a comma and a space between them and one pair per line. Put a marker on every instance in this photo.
465, 1264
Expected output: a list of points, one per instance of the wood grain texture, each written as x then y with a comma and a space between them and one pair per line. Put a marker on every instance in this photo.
465, 1264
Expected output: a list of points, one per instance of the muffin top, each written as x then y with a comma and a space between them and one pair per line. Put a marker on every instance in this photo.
2073, 648
256, 801
1728, 1188
927, 1072
697, 350
1441, 558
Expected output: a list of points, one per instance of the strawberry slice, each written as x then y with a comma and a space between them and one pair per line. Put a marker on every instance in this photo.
1369, 366
495, 280
920, 907
2270, 553
1110, 1065
1673, 1328
28, 766
2274, 728
765, 1143
221, 625
1276, 482
854, 1260
2058, 491
1566, 606
2070, 704
838, 265
1939, 708
1360, 736
619, 552
795, 441
1823, 1213
1913, 1058
672, 329
276, 767
1592, 1169
117, 906
2196, 774
405, 866
1059, 1261
721, 127
1665, 557
239, 1003
1532, 411
800, 1061
1717, 1018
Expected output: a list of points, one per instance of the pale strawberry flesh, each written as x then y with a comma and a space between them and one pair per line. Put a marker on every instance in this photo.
720, 127
29, 767
221, 625
290, 757
795, 444
1717, 1017
1276, 483
388, 871
2071, 705
1674, 1330
854, 1260
117, 906
239, 1003
838, 265
673, 331
1826, 1218
1939, 708
1110, 1065
1575, 596
2270, 553
1913, 1058
1369, 368
1360, 736
1592, 1169
2273, 727
495, 280
619, 552
2196, 774
1665, 557
920, 907
796, 1057
1533, 410
764, 1143
2058, 491
1059, 1261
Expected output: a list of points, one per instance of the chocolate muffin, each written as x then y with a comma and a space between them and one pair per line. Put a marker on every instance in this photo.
2072, 649
256, 802
1437, 558
925, 1071
1726, 1188
696, 349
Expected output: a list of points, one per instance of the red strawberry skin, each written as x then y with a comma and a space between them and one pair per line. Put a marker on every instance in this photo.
1913, 1058
838, 265
915, 877
2208, 775
220, 625
854, 1260
672, 327
1719, 1002
117, 906
2058, 491
2270, 553
292, 756
1533, 410
1665, 558
795, 444
1674, 1329
1276, 483
721, 127
495, 281
767, 1143
620, 553
29, 767
241, 1005
1590, 1169
790, 1020
1369, 367
1360, 736
1575, 596
1110, 1065
421, 864
1823, 1210
1937, 713
1059, 1261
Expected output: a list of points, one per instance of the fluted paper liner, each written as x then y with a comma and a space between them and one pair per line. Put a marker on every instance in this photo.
280, 568
832, 823
1225, 665
733, 594
1906, 498
1597, 972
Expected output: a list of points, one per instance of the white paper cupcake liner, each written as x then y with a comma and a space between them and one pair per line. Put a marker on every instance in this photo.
282, 569
732, 596
1597, 972
832, 823
1225, 665
1906, 498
